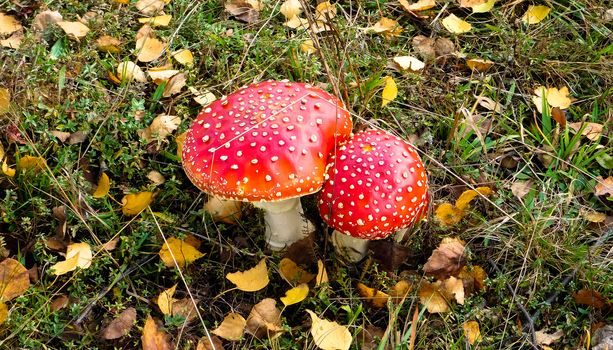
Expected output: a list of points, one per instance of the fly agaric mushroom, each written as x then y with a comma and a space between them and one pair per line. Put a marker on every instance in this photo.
267, 143
376, 184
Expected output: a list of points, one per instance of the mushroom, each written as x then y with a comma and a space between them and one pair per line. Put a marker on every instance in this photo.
267, 143
375, 185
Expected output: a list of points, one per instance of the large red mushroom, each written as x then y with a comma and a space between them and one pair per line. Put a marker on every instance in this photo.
267, 143
376, 184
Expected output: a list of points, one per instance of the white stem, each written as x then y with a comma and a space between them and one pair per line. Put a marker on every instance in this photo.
285, 222
351, 248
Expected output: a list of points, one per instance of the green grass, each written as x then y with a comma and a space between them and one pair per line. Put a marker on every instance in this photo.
537, 251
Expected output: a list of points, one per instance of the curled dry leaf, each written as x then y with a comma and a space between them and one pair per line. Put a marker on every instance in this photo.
154, 338
420, 5
45, 19
467, 196
454, 288
180, 251
104, 184
157, 21
8, 24
149, 49
174, 85
479, 64
456, 25
61, 135
592, 131
264, 320
446, 260
604, 186
292, 273
471, 332
224, 210
375, 297
250, 280
161, 126
128, 71
535, 14
107, 43
121, 325
184, 57
134, 203
295, 295
75, 30
232, 327
165, 300
212, 343
521, 188
14, 279
329, 335
150, 7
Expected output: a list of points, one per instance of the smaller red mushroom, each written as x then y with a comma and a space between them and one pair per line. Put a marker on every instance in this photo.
375, 185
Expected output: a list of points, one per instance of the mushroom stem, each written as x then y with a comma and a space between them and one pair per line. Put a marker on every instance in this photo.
351, 248
285, 222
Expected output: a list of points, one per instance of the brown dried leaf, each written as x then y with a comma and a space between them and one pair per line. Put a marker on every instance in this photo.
592, 131
8, 24
604, 187
185, 308
424, 47
174, 85
107, 43
13, 41
242, 10
153, 338
121, 325
521, 188
264, 319
294, 274
443, 46
543, 338
231, 328
454, 288
45, 19
589, 297
446, 260
150, 7
161, 126
213, 343
14, 279
59, 302
431, 296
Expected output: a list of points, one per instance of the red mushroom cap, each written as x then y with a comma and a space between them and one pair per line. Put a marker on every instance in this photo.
375, 185
266, 142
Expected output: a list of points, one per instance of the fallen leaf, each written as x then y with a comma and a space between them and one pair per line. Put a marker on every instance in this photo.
161, 75
157, 21
290, 9
5, 100
589, 297
153, 338
110, 245
329, 335
107, 43
454, 288
448, 214
424, 47
432, 298
4, 312
484, 7
456, 25
308, 47
228, 211
165, 300
134, 203
292, 273
264, 320
174, 85
161, 126
555, 97
77, 255
604, 187
375, 297
593, 216
31, 163
149, 49
59, 302
212, 343
242, 10
13, 41
14, 279
45, 20
471, 332
543, 338
559, 116
471, 3
203, 98
479, 64
446, 260
128, 71
156, 177
592, 131
295, 295
489, 104
400, 291
325, 10
146, 31
250, 280
8, 24
180, 139
232, 327
182, 252
409, 63
150, 7
104, 184
75, 30
185, 308
420, 5
121, 325
535, 14
390, 91
521, 188
184, 57
322, 274
467, 196
297, 22
386, 26
61, 135
443, 47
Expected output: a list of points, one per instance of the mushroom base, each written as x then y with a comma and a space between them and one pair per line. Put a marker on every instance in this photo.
354, 249
285, 222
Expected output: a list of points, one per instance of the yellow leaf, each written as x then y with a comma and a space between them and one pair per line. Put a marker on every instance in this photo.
5, 100
390, 91
31, 163
104, 184
409, 63
154, 338
203, 98
14, 279
386, 26
295, 295
174, 85
14, 41
77, 255
456, 25
182, 252
454, 288
157, 21
593, 216
109, 44
308, 47
535, 14
75, 30
297, 22
479, 64
291, 9
4, 312
467, 196
149, 49
448, 214
7, 170
324, 11
329, 335
430, 296
250, 280
134, 203
322, 274
8, 24
471, 332
161, 126
293, 273
485, 7
555, 97
179, 140
184, 57
150, 7
231, 328
375, 297
165, 300
420, 5
128, 71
